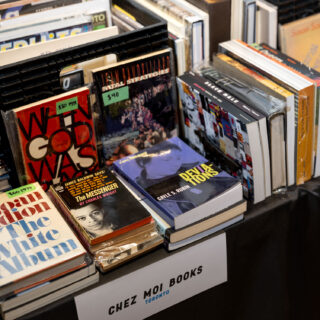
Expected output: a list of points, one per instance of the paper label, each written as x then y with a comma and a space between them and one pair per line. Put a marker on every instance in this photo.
115, 95
159, 285
67, 105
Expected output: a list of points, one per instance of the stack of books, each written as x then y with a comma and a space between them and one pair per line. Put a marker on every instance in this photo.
188, 196
111, 223
41, 258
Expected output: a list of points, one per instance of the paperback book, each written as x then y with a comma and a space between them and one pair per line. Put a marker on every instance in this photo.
53, 139
137, 100
36, 242
180, 182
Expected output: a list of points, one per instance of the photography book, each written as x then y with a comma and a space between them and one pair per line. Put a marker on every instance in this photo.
213, 119
261, 105
138, 104
275, 112
300, 141
184, 185
36, 242
53, 140
99, 207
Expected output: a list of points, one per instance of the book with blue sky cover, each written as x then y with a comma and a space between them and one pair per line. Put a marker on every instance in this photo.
184, 185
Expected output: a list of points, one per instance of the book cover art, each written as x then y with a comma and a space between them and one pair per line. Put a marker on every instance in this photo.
57, 138
175, 177
34, 238
138, 104
221, 129
100, 207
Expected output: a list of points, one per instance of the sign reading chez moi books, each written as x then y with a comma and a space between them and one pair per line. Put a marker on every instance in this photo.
159, 285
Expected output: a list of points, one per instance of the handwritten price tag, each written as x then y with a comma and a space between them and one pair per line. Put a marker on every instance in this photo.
67, 105
115, 95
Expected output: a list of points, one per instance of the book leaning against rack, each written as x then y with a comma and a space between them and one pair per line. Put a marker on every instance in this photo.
36, 242
184, 185
300, 141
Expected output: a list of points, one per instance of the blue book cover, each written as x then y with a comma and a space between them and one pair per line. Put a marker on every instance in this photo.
180, 182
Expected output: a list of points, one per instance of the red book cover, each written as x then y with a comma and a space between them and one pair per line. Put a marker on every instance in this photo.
57, 138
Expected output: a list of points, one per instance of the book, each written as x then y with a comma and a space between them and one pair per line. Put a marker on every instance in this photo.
26, 295
36, 242
251, 77
267, 23
272, 110
42, 48
243, 20
99, 206
310, 75
53, 139
219, 12
299, 39
212, 120
301, 139
137, 99
51, 297
180, 182
211, 224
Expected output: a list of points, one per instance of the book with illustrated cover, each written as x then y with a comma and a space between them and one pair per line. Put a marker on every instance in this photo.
53, 139
302, 139
251, 77
272, 128
184, 185
214, 119
36, 242
99, 207
137, 99
311, 75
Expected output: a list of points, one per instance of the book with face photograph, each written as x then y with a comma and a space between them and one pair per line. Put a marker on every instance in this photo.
99, 206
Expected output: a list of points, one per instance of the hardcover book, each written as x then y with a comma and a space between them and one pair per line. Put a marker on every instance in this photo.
213, 121
137, 100
36, 242
53, 139
99, 207
180, 182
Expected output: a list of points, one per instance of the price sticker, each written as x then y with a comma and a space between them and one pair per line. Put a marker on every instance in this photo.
116, 95
67, 105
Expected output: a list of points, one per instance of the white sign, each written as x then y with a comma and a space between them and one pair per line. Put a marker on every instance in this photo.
159, 285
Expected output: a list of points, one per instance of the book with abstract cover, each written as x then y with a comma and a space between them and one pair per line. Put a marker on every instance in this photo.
137, 99
184, 185
212, 121
36, 242
99, 206
54, 138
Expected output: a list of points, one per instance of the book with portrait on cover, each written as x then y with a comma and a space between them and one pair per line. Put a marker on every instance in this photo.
53, 139
137, 100
36, 242
99, 207
180, 182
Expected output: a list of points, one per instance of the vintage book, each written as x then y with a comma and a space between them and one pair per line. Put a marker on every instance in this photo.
53, 139
212, 120
45, 300
196, 230
243, 20
99, 206
53, 24
36, 242
302, 139
137, 100
25, 295
219, 12
299, 39
273, 112
241, 72
42, 48
266, 23
180, 182
311, 75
